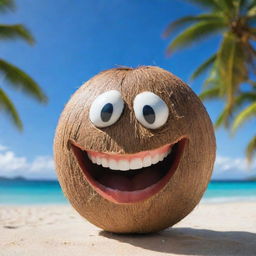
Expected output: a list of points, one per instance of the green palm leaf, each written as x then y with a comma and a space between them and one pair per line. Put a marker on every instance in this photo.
20, 80
227, 6
252, 83
210, 93
195, 33
9, 108
15, 31
6, 4
231, 65
224, 118
245, 97
214, 79
249, 3
191, 19
251, 149
251, 11
203, 67
226, 115
223, 5
244, 115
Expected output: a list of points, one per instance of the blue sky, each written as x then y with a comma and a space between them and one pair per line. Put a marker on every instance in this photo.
76, 40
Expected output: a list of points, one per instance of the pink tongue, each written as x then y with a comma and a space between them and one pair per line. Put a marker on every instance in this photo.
126, 183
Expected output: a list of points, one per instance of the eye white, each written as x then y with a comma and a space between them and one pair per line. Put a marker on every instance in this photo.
106, 108
150, 110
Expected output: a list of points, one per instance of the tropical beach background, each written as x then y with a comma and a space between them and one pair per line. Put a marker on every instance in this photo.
72, 42
49, 48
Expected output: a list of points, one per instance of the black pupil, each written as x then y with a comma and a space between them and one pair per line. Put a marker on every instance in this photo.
106, 112
149, 114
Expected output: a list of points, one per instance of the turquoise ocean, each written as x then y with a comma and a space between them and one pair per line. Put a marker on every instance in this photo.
49, 192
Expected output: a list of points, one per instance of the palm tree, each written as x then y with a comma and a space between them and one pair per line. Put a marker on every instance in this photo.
12, 74
248, 112
233, 65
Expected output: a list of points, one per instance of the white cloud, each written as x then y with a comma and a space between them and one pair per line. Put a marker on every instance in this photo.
42, 163
233, 168
9, 162
12, 165
2, 147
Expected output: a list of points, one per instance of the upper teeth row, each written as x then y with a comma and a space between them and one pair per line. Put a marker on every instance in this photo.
125, 165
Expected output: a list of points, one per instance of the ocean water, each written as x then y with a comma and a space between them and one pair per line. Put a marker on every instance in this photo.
230, 191
49, 192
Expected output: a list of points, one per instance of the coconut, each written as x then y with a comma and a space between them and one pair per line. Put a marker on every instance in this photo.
126, 114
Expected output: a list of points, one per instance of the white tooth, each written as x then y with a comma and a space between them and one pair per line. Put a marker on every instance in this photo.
155, 159
123, 165
161, 157
113, 164
98, 160
89, 156
93, 158
104, 162
147, 161
135, 163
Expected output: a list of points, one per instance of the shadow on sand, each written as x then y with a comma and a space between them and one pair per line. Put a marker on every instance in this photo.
191, 241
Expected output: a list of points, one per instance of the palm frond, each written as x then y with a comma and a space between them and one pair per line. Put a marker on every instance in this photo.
252, 83
251, 149
194, 33
231, 63
187, 20
247, 4
245, 97
20, 80
203, 67
227, 115
251, 8
252, 12
214, 79
244, 115
223, 118
6, 5
213, 82
226, 5
210, 93
7, 105
15, 31
249, 13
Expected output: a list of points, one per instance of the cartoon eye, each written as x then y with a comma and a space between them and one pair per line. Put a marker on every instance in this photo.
150, 110
106, 108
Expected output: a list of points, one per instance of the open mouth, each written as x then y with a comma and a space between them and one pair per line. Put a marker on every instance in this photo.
129, 178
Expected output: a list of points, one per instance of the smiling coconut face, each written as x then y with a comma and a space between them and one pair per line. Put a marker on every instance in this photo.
134, 150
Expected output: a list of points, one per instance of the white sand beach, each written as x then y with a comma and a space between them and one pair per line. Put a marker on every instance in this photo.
211, 229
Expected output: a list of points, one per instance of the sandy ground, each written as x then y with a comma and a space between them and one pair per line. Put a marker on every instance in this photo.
211, 229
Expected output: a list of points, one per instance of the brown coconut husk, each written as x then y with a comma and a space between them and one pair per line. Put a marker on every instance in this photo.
187, 117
